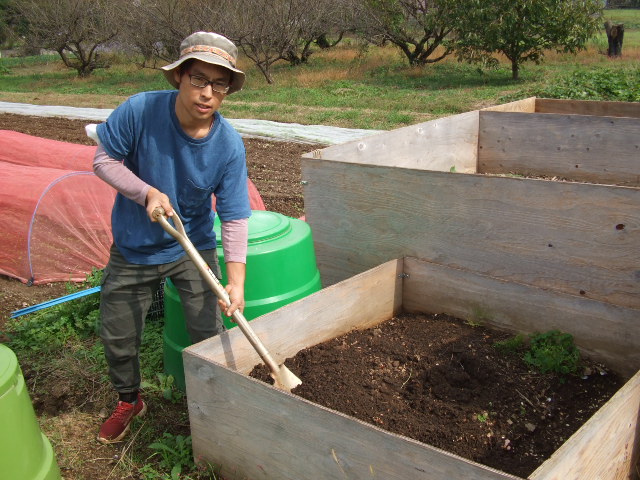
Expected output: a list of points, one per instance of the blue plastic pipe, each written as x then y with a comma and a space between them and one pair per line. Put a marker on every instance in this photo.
53, 302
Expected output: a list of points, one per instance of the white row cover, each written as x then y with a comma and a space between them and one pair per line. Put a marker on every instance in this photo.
265, 129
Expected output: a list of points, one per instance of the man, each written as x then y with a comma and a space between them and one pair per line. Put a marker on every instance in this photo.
171, 149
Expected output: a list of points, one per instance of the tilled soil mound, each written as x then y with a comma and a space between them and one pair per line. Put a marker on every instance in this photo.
443, 382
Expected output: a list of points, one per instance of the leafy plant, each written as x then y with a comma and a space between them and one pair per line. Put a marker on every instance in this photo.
175, 455
553, 352
93, 279
619, 84
149, 472
166, 386
175, 452
603, 84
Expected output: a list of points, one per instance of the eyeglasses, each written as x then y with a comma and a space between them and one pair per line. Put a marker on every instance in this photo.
201, 82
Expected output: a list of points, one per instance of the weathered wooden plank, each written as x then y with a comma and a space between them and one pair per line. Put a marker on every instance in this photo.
579, 239
251, 430
577, 147
527, 105
605, 447
444, 144
359, 302
608, 333
588, 107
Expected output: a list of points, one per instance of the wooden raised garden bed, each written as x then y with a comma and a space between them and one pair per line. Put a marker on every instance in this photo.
524, 217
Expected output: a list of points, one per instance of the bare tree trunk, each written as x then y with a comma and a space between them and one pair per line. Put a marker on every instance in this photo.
615, 35
515, 70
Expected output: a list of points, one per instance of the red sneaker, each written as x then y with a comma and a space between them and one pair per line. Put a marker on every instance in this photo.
117, 425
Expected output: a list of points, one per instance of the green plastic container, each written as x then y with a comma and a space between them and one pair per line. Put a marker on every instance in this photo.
281, 268
25, 452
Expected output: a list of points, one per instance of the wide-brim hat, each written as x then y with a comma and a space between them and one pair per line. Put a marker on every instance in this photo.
210, 48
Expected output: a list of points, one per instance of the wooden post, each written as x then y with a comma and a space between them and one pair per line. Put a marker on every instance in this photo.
615, 35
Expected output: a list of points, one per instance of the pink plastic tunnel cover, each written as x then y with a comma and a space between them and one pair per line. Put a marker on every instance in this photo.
55, 214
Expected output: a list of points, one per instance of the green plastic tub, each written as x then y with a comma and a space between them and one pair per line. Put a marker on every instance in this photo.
25, 452
281, 268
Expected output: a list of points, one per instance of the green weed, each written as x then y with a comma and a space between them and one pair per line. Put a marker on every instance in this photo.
479, 316
62, 342
603, 84
174, 454
174, 451
54, 326
553, 352
165, 385
482, 417
151, 349
619, 84
473, 323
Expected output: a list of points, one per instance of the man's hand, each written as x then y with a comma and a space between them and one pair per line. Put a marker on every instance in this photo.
236, 295
155, 199
235, 288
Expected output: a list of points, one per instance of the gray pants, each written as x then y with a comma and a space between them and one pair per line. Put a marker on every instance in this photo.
125, 297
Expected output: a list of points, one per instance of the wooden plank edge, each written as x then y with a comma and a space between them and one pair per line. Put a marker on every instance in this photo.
441, 144
526, 105
588, 107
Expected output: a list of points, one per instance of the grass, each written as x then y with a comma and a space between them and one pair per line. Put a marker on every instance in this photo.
352, 86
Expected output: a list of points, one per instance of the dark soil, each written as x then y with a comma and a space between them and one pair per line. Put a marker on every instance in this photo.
443, 382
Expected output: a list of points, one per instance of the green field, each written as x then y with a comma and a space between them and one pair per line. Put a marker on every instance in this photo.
353, 85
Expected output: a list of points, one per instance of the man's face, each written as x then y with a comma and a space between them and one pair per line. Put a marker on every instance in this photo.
198, 104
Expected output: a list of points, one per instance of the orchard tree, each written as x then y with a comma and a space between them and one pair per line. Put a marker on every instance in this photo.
416, 27
320, 22
522, 30
155, 28
12, 26
75, 29
267, 30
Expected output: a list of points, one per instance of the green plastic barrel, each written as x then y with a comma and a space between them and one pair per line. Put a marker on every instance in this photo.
281, 268
25, 452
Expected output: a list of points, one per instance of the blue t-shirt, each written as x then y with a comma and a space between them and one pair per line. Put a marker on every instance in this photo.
145, 133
